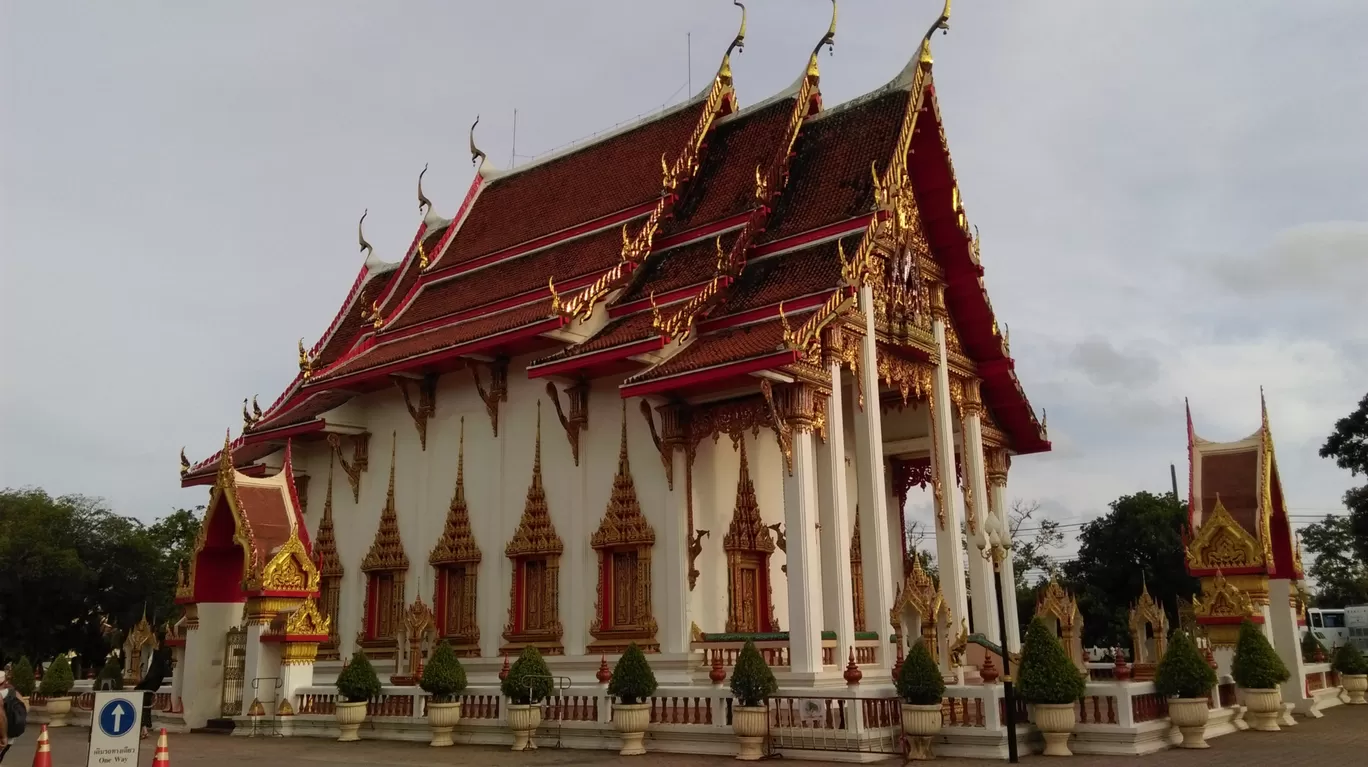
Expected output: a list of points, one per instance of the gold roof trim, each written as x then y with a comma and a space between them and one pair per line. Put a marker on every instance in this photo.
387, 550
457, 544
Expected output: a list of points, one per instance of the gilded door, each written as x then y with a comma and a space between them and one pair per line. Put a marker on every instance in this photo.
455, 601
749, 614
624, 588
534, 596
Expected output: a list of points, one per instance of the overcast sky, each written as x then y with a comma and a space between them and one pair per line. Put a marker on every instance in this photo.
1171, 196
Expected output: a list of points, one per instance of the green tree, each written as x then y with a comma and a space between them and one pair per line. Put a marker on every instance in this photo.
1139, 542
1342, 578
1032, 544
1348, 445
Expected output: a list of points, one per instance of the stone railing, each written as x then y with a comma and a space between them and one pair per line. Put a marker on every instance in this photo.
774, 648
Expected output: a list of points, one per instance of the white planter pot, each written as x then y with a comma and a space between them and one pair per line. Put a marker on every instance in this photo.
1355, 685
921, 724
349, 719
1056, 723
1262, 708
631, 721
524, 721
442, 719
751, 725
57, 709
1190, 716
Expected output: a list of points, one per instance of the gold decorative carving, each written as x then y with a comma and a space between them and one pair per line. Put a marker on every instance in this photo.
418, 624
937, 470
386, 566
498, 389
911, 379
666, 451
387, 550
695, 548
308, 620
306, 361
360, 459
1221, 543
535, 550
456, 555
1057, 604
290, 569
857, 575
624, 540
426, 406
919, 597
578, 396
748, 546
998, 461
783, 432
732, 418
457, 545
781, 543
1147, 612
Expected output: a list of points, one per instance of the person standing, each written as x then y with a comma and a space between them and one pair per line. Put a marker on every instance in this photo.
9, 701
150, 684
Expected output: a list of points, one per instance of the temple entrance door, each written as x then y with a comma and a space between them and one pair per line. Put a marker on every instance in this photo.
749, 614
234, 668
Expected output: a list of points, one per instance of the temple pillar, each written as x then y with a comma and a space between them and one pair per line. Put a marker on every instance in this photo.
949, 553
872, 488
677, 618
261, 663
801, 523
981, 576
836, 528
998, 461
177, 676
580, 563
204, 647
1286, 638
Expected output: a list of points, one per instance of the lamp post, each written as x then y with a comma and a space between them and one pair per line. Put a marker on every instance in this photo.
994, 547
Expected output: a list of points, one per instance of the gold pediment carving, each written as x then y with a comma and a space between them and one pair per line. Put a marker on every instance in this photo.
1058, 603
1221, 543
1223, 599
290, 569
308, 620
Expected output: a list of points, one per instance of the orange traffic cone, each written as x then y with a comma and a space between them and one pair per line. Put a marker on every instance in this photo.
161, 756
43, 756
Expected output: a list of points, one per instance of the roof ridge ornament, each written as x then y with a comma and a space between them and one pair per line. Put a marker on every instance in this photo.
829, 40
738, 43
361, 235
477, 157
942, 23
423, 201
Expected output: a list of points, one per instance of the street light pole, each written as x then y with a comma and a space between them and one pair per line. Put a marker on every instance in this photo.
1006, 662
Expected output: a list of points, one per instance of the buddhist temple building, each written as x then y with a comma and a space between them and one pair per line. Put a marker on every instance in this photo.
640, 391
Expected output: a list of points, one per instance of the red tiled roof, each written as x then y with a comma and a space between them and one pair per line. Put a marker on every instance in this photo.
635, 327
678, 268
785, 277
351, 323
583, 256
441, 338
399, 285
602, 178
268, 516
725, 183
731, 345
309, 410
829, 176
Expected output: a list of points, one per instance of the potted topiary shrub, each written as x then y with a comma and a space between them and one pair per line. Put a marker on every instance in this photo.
1258, 671
921, 688
357, 684
1186, 680
57, 682
528, 683
21, 678
1353, 671
443, 680
632, 685
1052, 684
752, 684
1312, 650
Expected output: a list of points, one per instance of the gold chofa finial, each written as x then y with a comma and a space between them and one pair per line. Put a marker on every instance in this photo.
476, 156
942, 23
361, 235
738, 44
556, 305
185, 463
256, 409
829, 40
305, 362
423, 201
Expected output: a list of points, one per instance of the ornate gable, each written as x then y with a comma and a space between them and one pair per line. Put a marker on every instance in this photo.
457, 545
1059, 604
747, 531
1222, 543
623, 524
325, 553
387, 550
535, 534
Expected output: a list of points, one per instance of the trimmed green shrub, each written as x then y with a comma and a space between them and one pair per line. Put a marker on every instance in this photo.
529, 680
1348, 660
443, 677
1183, 672
1256, 666
358, 682
57, 681
110, 672
752, 682
919, 680
1047, 675
21, 676
633, 680
1309, 645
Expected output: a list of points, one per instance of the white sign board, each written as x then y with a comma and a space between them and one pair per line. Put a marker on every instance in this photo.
114, 731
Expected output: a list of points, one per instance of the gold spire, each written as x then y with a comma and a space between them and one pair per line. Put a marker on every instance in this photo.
361, 235
747, 531
535, 534
476, 156
457, 544
829, 40
942, 23
423, 201
387, 550
329, 563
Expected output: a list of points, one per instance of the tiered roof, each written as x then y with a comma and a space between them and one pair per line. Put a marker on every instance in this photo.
677, 250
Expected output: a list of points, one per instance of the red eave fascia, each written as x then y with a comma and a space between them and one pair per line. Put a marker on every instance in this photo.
602, 356
471, 347
830, 230
706, 375
283, 432
771, 311
493, 308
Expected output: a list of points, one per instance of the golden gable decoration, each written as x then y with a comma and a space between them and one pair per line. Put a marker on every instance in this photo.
920, 596
457, 545
1221, 608
387, 550
1221, 543
456, 558
308, 620
535, 534
624, 539
534, 594
750, 597
290, 569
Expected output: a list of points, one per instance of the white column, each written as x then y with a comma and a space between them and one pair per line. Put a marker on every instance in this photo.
872, 489
677, 616
981, 578
800, 523
949, 554
897, 543
1287, 642
839, 603
997, 486
580, 562
177, 677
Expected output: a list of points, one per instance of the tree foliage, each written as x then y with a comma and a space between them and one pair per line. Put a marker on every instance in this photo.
1341, 577
21, 676
1047, 675
633, 680
70, 562
1348, 446
1256, 665
1349, 661
529, 680
919, 680
1032, 544
752, 681
1138, 543
443, 677
358, 682
57, 680
1183, 672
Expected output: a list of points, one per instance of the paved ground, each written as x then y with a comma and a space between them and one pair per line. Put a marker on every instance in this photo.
1333, 740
